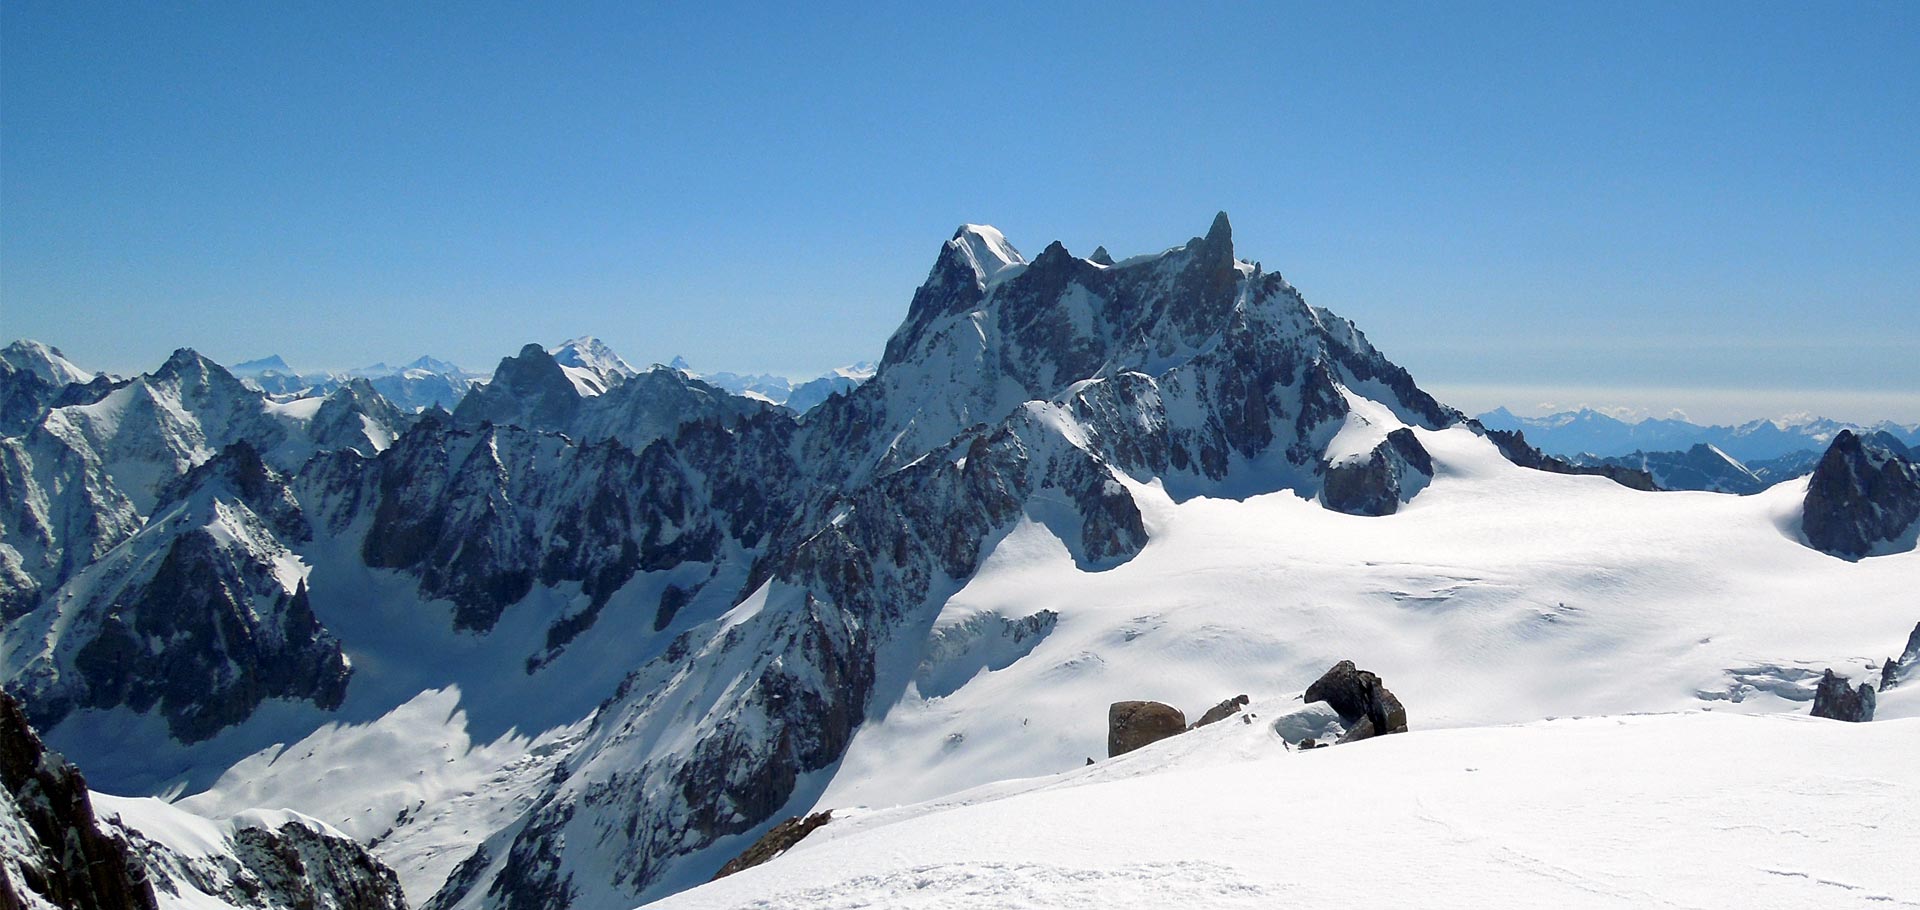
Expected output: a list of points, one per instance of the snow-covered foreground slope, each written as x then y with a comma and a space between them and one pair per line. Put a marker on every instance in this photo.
1679, 810
1498, 595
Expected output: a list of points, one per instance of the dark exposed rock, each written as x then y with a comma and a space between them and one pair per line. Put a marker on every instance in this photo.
777, 840
1100, 256
529, 390
1358, 695
1396, 469
1222, 711
1132, 724
1513, 445
1863, 496
24, 397
1832, 698
671, 600
293, 865
1900, 669
64, 856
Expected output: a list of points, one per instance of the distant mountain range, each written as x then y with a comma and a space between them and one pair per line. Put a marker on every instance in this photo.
592, 366
1590, 432
798, 397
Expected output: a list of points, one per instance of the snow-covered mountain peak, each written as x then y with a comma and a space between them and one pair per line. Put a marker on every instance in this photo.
985, 250
593, 356
44, 361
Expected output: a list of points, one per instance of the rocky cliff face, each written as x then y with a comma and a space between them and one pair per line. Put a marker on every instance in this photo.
53, 851
1863, 498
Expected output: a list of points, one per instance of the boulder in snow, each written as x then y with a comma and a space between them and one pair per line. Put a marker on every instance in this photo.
1221, 711
1833, 698
1358, 695
1132, 724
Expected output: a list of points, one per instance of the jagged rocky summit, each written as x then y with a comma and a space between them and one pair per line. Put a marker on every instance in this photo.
1863, 498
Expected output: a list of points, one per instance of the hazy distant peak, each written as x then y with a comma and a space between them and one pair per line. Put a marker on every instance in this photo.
590, 353
44, 361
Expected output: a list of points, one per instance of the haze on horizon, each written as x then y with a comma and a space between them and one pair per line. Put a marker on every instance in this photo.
1706, 209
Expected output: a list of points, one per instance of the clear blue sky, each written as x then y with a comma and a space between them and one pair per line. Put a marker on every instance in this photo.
1617, 203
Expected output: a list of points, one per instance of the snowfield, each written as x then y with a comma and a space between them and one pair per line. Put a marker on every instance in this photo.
1691, 810
1498, 595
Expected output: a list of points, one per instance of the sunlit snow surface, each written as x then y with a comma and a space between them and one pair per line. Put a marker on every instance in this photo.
1498, 595
1680, 810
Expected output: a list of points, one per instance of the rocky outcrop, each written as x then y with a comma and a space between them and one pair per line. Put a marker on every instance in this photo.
53, 851
1363, 702
1132, 724
1833, 698
1904, 668
1863, 498
265, 861
1221, 711
777, 840
1396, 469
1513, 445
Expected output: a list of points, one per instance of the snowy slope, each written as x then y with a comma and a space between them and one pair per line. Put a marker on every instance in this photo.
1677, 810
1498, 595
